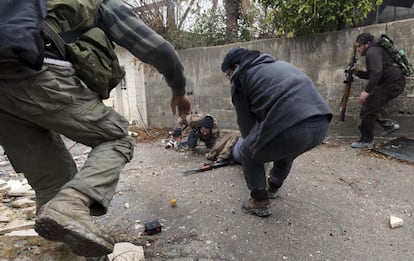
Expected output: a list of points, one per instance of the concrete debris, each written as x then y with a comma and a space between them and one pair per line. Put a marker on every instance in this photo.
16, 226
396, 222
23, 203
4, 163
17, 209
127, 251
15, 183
133, 134
80, 157
23, 190
23, 233
24, 245
4, 218
30, 212
5, 188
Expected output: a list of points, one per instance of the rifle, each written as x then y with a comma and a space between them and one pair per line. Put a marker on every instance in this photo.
208, 166
349, 78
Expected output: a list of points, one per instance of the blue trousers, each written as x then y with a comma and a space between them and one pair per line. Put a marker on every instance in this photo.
193, 139
282, 150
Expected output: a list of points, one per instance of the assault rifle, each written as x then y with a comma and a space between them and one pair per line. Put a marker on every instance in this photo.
208, 166
349, 78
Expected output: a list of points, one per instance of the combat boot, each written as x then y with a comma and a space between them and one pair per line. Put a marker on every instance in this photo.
255, 207
66, 218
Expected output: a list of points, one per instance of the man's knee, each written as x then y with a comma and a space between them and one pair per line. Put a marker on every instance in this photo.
125, 146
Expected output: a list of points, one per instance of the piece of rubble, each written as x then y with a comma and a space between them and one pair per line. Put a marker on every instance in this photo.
4, 219
396, 221
4, 186
23, 233
127, 251
16, 226
4, 163
30, 212
2, 183
23, 203
21, 191
6, 215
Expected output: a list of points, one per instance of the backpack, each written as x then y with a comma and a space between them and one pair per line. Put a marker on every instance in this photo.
398, 55
95, 61
21, 31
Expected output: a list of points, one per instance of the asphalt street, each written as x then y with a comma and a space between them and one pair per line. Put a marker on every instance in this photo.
335, 205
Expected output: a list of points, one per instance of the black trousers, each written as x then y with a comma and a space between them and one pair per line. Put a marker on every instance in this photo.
374, 104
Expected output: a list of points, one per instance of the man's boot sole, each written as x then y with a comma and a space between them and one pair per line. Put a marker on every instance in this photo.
54, 226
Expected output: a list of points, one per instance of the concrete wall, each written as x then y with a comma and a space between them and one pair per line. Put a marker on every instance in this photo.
323, 57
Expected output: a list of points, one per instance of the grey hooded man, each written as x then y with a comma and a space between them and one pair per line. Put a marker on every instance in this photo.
280, 115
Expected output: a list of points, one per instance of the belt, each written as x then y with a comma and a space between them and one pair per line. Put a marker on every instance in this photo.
57, 62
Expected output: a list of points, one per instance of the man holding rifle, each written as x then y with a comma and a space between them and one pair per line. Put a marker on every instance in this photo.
385, 82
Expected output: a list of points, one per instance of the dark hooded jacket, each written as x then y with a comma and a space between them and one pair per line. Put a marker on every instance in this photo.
270, 96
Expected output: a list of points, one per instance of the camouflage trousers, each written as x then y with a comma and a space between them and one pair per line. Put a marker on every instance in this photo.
36, 108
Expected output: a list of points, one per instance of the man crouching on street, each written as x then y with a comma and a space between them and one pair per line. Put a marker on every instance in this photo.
280, 115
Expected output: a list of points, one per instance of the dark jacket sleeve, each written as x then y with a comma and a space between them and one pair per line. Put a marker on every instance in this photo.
125, 28
375, 66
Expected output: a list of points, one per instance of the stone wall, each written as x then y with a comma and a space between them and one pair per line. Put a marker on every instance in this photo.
323, 57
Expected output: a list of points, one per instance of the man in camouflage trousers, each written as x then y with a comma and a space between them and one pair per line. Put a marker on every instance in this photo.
37, 107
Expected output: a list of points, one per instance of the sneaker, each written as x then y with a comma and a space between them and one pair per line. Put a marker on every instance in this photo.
66, 218
362, 145
258, 208
171, 144
390, 129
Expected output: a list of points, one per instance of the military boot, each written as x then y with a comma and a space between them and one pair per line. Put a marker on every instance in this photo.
66, 218
255, 207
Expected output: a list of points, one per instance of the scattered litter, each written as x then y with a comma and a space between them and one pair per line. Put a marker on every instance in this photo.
153, 227
127, 251
399, 148
396, 222
23, 233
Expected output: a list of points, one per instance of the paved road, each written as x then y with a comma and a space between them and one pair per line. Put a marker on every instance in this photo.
335, 205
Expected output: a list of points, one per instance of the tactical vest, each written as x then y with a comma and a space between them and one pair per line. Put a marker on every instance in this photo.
86, 46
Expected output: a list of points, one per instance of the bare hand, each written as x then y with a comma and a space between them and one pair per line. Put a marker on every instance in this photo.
354, 70
363, 96
183, 104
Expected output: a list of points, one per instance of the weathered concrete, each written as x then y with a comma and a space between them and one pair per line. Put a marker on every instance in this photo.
322, 56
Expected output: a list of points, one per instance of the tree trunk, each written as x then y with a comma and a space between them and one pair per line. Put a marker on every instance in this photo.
233, 9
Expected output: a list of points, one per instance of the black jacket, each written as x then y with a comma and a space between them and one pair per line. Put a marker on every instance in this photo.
381, 68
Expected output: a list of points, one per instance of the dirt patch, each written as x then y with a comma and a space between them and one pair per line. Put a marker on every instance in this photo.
142, 135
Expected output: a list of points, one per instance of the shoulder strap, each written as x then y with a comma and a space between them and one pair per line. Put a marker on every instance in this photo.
55, 38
